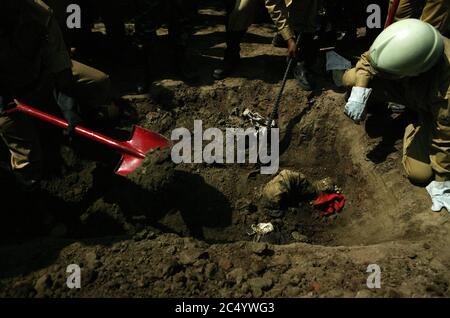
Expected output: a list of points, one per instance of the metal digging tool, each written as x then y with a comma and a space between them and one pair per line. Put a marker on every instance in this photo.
133, 151
274, 114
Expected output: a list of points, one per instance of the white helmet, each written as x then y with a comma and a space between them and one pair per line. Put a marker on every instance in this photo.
407, 48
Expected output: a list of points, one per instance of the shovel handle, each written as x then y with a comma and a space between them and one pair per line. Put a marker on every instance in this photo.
79, 130
276, 107
391, 14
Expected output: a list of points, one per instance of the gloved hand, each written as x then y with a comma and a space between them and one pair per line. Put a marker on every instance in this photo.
440, 195
68, 107
356, 105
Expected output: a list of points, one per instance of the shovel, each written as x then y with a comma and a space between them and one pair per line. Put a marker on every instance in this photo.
274, 114
133, 151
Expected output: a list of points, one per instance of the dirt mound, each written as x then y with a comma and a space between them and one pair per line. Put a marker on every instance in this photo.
156, 174
169, 266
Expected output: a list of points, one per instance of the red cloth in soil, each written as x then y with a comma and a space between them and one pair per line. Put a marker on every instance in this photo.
329, 203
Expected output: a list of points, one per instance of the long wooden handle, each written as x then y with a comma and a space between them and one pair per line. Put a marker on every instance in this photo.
391, 14
122, 147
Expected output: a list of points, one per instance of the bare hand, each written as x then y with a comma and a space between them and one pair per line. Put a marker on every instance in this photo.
292, 48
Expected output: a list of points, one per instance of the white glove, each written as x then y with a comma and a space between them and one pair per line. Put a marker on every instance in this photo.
356, 105
440, 195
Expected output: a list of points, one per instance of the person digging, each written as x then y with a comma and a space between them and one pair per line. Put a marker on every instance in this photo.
409, 64
36, 69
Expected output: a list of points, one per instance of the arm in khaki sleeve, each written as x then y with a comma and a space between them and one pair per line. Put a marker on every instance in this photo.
361, 74
55, 54
279, 15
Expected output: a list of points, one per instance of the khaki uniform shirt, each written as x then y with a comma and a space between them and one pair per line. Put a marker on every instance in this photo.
34, 51
279, 14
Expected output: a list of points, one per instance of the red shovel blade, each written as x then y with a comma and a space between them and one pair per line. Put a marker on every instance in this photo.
133, 151
143, 141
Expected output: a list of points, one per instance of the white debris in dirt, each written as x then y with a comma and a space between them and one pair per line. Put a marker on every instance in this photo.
255, 118
261, 229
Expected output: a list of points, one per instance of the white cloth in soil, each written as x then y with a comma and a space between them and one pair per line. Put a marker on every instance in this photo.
261, 229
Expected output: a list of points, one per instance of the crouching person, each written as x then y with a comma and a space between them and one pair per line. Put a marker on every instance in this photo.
409, 63
35, 68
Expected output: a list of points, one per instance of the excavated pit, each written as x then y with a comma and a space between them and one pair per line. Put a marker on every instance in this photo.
219, 203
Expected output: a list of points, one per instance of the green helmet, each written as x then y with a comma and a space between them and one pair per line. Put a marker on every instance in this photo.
407, 48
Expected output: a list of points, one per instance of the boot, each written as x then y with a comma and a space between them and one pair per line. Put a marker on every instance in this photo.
232, 55
303, 76
306, 58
